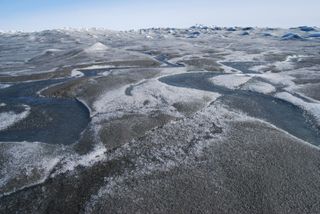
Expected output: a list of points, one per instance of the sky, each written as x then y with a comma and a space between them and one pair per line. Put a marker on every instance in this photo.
31, 15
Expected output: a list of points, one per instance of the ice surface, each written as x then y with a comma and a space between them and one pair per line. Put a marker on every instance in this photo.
285, 65
245, 33
314, 35
159, 96
231, 81
92, 67
258, 86
291, 36
166, 147
311, 108
266, 34
9, 118
306, 28
97, 47
26, 163
4, 86
76, 73
70, 163
186, 143
279, 79
241, 56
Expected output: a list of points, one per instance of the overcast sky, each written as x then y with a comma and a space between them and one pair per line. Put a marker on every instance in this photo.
29, 15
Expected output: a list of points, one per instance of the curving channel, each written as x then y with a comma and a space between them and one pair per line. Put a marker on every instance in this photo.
282, 114
61, 121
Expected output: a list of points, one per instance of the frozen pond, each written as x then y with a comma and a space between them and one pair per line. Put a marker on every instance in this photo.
51, 120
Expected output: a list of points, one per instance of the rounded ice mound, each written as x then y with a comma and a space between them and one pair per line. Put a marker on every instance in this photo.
306, 28
245, 33
291, 36
231, 29
247, 28
194, 34
314, 35
97, 47
266, 34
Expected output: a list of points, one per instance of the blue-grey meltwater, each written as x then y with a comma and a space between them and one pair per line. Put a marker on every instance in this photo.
51, 120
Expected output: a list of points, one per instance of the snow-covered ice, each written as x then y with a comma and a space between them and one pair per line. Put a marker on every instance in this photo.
97, 47
4, 86
157, 95
200, 136
76, 73
311, 108
291, 36
10, 118
258, 86
25, 164
231, 81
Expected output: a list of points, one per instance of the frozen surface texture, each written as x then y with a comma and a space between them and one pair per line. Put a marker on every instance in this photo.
162, 120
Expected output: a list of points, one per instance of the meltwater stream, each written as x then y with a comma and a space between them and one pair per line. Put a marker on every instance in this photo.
51, 120
280, 113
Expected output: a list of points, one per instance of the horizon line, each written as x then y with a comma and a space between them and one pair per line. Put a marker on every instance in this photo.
148, 28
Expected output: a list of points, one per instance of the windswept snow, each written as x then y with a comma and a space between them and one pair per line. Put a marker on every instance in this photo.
98, 67
73, 161
97, 47
9, 118
26, 163
311, 108
76, 73
280, 66
258, 86
150, 96
231, 81
148, 140
4, 85
279, 79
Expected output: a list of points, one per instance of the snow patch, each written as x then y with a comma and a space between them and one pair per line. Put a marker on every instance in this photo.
4, 86
149, 96
241, 56
287, 64
97, 47
9, 118
277, 78
166, 148
312, 108
26, 164
69, 164
231, 81
76, 73
260, 87
98, 67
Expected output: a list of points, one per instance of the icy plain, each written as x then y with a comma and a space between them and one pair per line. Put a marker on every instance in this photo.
161, 120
